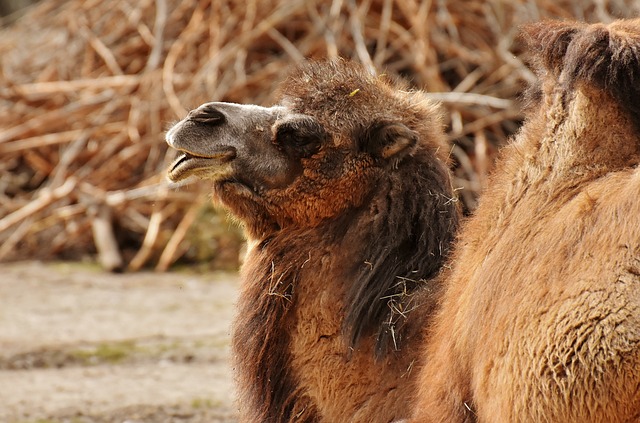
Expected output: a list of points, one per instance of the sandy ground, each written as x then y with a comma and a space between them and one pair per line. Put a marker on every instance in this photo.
78, 345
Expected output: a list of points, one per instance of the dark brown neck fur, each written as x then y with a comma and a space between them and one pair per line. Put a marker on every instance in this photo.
380, 256
267, 388
402, 240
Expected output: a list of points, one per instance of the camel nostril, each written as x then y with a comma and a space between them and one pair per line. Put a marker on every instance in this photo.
207, 114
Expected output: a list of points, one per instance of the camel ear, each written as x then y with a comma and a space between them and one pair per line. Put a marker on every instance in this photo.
388, 140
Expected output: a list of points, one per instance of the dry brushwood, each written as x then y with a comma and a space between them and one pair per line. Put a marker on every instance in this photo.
88, 87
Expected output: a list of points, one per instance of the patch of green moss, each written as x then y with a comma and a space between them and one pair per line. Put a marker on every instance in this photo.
201, 403
113, 352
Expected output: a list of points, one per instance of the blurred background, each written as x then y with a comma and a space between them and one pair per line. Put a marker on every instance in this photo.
87, 89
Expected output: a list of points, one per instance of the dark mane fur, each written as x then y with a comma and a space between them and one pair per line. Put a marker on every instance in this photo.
409, 228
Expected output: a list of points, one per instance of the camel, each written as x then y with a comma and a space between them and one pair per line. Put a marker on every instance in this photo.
540, 317
344, 191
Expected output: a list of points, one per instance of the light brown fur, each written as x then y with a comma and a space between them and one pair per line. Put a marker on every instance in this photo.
540, 321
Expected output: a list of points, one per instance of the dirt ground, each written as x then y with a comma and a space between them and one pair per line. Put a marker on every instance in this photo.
81, 346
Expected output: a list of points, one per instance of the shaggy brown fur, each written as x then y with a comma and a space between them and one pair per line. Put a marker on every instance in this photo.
344, 191
540, 320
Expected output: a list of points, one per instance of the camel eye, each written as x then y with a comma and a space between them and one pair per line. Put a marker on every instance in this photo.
301, 137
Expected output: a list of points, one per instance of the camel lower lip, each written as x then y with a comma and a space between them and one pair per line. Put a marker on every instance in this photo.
187, 165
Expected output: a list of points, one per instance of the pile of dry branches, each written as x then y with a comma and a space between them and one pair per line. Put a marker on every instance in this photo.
87, 88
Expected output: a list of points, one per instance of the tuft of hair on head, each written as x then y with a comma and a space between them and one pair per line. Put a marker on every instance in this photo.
547, 42
605, 56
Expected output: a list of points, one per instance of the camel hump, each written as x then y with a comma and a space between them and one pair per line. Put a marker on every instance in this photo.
606, 56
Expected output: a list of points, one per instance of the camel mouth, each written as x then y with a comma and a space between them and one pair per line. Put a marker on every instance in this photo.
211, 166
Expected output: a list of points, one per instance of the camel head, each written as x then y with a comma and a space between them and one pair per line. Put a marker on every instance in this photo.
335, 133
